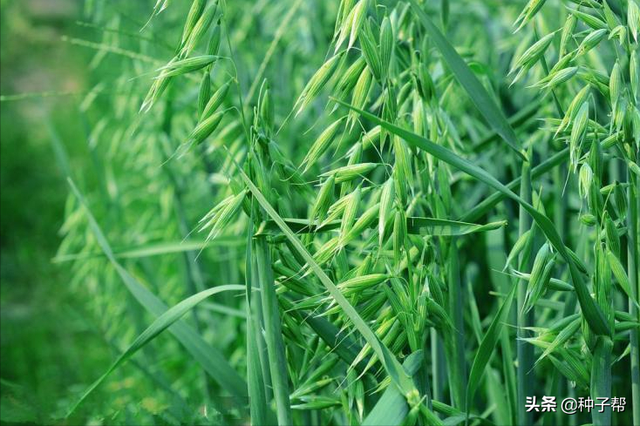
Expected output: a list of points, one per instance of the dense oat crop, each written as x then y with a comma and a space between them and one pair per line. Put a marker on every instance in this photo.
363, 211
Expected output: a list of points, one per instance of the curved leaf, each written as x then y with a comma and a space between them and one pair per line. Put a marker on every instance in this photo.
211, 360
160, 324
476, 91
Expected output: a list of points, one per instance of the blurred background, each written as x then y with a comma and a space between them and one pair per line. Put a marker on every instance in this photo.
64, 323
62, 327
47, 346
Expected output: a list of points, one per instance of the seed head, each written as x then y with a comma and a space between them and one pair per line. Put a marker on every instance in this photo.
386, 45
215, 101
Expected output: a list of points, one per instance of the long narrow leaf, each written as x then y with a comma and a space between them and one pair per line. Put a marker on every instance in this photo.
211, 360
155, 249
415, 225
164, 321
258, 407
483, 356
476, 91
488, 203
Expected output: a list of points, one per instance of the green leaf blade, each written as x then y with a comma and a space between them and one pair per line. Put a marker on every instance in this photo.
476, 91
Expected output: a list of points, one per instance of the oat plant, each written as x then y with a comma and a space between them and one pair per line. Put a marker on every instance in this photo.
362, 212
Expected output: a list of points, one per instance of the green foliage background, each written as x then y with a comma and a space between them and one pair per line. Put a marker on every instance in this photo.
74, 75
47, 345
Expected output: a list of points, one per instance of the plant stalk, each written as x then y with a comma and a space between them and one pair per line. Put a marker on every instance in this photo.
524, 349
632, 268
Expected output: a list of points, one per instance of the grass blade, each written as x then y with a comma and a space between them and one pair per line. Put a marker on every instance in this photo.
415, 225
483, 356
273, 331
211, 360
476, 91
489, 202
258, 408
164, 321
155, 249
601, 379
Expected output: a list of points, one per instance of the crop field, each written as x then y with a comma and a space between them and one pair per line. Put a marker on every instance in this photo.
346, 212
